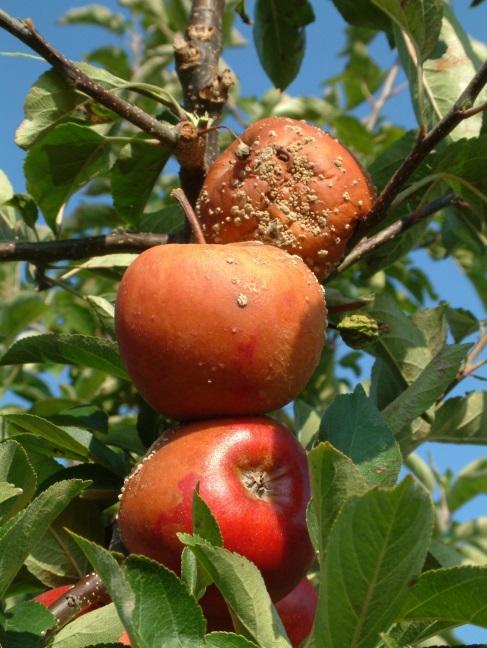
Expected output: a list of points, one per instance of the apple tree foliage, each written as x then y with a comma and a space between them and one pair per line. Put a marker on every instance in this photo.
394, 565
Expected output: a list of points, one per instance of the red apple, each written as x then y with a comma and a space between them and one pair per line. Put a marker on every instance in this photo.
124, 639
289, 184
51, 596
213, 330
253, 475
297, 611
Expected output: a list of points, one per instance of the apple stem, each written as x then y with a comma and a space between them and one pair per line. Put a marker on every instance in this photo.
190, 214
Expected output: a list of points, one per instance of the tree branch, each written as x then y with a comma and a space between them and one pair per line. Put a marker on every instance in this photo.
45, 252
25, 31
367, 245
461, 109
87, 592
205, 89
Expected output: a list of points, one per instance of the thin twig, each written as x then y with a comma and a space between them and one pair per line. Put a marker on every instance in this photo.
469, 366
386, 93
46, 252
367, 245
25, 31
426, 142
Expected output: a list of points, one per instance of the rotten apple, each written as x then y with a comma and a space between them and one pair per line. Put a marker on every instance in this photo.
213, 330
290, 184
253, 475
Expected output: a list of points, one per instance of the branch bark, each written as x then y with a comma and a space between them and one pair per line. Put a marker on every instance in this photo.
45, 252
25, 31
367, 245
205, 89
426, 142
88, 591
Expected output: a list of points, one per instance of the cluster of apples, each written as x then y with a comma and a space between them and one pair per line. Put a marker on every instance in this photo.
217, 335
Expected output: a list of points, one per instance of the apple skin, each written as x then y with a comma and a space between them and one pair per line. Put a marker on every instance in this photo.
49, 597
297, 611
287, 183
213, 330
253, 475
124, 639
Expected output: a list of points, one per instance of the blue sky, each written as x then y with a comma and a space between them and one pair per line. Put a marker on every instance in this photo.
325, 40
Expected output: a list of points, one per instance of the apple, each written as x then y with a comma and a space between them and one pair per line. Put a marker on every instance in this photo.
124, 639
213, 330
253, 475
297, 611
290, 184
49, 597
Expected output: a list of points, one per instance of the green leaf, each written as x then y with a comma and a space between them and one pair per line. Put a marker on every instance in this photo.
102, 625
227, 640
7, 491
446, 73
408, 634
60, 439
204, 523
65, 160
352, 132
82, 350
388, 161
113, 576
206, 527
243, 588
57, 559
76, 443
19, 312
26, 207
280, 38
52, 99
462, 419
25, 625
307, 422
457, 594
16, 468
419, 19
368, 566
152, 602
162, 221
6, 189
113, 59
470, 482
165, 614
403, 346
363, 13
355, 426
334, 479
133, 176
427, 388
433, 325
95, 14
28, 527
